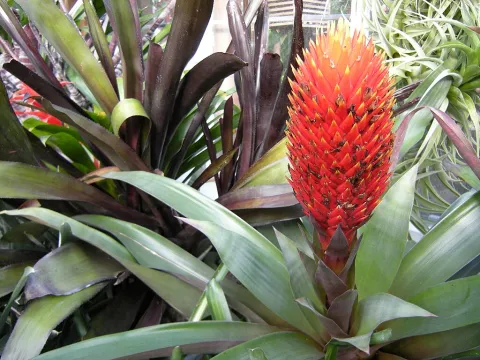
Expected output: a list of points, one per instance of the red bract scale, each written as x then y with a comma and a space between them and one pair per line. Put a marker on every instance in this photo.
340, 131
27, 95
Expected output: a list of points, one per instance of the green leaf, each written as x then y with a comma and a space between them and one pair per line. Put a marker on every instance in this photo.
300, 280
217, 302
451, 244
29, 182
16, 292
124, 20
375, 310
10, 275
455, 303
100, 42
259, 271
81, 265
40, 318
158, 341
60, 33
175, 292
119, 153
257, 354
39, 129
278, 346
153, 250
69, 147
272, 168
432, 92
433, 346
132, 110
194, 205
384, 238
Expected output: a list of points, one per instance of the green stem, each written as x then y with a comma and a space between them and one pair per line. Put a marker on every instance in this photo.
202, 303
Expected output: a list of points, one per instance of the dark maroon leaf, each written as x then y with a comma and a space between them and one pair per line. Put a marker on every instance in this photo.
454, 132
154, 313
189, 23
261, 217
280, 114
261, 36
120, 314
351, 259
200, 79
211, 150
226, 124
404, 92
332, 328
241, 43
270, 75
329, 281
40, 85
14, 253
341, 308
451, 128
154, 59
194, 125
338, 248
14, 142
257, 197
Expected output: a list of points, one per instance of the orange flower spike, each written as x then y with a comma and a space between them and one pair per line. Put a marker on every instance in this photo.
340, 131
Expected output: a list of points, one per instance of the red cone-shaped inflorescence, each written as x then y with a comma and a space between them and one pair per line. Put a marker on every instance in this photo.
340, 130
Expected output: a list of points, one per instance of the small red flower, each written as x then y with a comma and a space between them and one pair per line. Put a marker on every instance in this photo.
340, 130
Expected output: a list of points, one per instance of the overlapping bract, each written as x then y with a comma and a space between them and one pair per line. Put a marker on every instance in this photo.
340, 130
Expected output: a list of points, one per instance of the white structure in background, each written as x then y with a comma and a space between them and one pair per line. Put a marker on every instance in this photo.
316, 13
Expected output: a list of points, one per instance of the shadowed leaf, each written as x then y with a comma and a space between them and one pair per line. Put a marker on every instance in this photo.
270, 76
189, 23
341, 309
14, 143
39, 319
202, 78
81, 265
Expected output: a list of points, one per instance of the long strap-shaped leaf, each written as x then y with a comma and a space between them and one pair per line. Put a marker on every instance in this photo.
454, 302
385, 237
174, 291
29, 182
158, 341
153, 250
445, 249
276, 346
60, 32
39, 319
